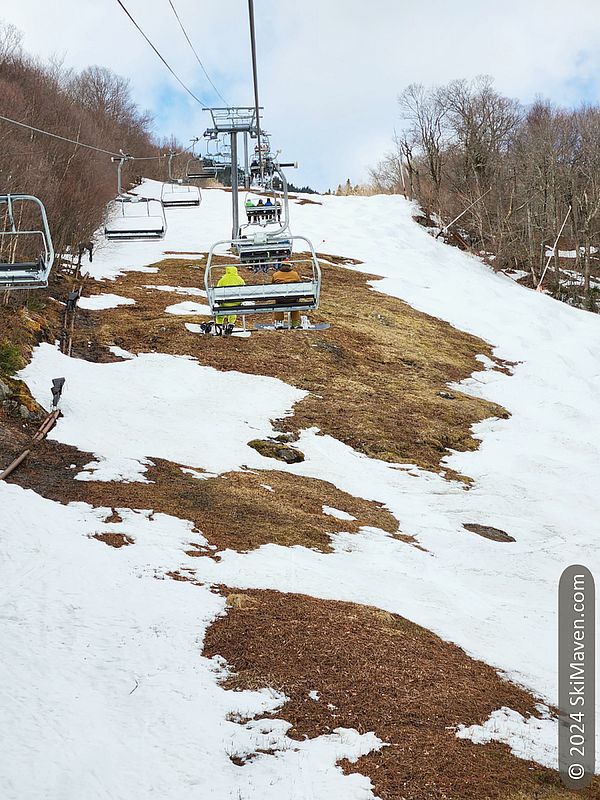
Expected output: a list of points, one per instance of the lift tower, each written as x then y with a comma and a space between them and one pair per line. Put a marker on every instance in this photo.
232, 121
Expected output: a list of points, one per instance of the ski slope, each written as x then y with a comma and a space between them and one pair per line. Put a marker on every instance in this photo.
86, 624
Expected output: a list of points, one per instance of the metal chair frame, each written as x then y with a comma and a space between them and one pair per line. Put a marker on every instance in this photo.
263, 298
26, 274
131, 231
180, 195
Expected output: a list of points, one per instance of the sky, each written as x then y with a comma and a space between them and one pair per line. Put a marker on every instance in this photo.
330, 71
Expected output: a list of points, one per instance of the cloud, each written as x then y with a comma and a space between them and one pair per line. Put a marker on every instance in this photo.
330, 70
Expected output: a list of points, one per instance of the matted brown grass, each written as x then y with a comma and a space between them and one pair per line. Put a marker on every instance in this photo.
374, 377
376, 671
234, 510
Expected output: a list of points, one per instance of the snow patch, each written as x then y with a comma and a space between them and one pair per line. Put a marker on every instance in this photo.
532, 739
189, 308
335, 512
100, 302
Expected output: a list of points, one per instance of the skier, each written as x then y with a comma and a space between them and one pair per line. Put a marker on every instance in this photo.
285, 274
231, 278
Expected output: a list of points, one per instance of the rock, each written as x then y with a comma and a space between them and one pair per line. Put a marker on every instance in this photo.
447, 395
5, 391
23, 411
273, 449
286, 438
495, 534
290, 455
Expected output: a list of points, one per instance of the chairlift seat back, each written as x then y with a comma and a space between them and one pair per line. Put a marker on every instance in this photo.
262, 298
26, 255
180, 195
140, 219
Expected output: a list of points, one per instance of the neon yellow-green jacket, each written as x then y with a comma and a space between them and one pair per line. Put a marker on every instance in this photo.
231, 278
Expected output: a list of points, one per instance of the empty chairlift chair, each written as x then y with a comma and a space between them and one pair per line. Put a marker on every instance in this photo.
26, 250
177, 195
259, 295
198, 168
136, 218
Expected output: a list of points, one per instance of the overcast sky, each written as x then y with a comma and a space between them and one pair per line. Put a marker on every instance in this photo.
330, 70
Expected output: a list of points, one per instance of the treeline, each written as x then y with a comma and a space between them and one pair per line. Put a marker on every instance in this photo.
525, 170
94, 106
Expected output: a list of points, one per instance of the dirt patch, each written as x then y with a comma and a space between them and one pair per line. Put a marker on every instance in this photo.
495, 534
375, 671
114, 539
305, 202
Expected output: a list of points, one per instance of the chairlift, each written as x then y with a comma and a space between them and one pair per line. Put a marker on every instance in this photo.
26, 249
274, 241
259, 295
136, 218
198, 168
262, 210
178, 195
263, 248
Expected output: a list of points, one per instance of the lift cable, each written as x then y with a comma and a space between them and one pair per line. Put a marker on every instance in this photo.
208, 78
79, 144
62, 138
165, 62
255, 81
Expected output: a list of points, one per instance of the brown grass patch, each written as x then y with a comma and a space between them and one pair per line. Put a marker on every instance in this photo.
375, 376
382, 673
114, 539
233, 511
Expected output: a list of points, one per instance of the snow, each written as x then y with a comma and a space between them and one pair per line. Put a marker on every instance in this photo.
569, 253
104, 691
189, 230
532, 739
101, 625
100, 302
191, 290
335, 512
170, 407
188, 308
118, 351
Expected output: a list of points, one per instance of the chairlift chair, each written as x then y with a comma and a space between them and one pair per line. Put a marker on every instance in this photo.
261, 211
274, 241
178, 195
140, 218
263, 248
258, 295
198, 168
26, 254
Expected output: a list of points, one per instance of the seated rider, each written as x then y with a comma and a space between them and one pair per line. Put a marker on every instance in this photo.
286, 274
231, 278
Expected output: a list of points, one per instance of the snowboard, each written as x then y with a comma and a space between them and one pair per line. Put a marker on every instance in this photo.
319, 326
240, 333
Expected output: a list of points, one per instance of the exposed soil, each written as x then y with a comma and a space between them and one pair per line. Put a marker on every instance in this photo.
375, 671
